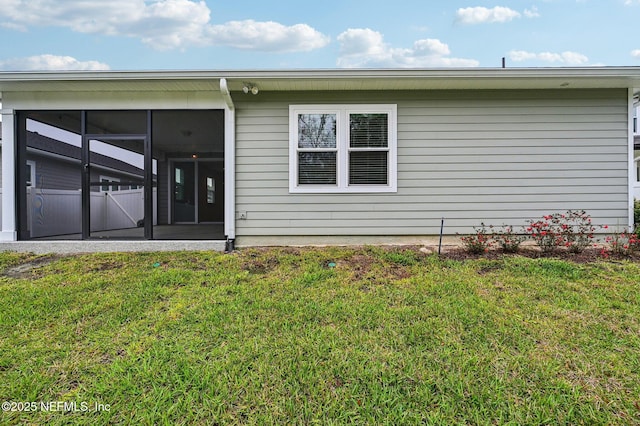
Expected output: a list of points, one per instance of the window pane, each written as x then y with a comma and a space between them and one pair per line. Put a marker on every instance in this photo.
211, 190
316, 130
184, 199
368, 130
368, 168
317, 168
28, 175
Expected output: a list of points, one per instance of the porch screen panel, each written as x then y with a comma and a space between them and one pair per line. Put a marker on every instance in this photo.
116, 188
51, 175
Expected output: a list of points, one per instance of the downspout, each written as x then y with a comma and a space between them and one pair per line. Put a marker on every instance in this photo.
632, 177
229, 166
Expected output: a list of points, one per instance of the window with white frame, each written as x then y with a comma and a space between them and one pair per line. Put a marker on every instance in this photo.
343, 148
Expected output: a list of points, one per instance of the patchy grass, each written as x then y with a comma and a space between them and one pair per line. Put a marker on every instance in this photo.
324, 336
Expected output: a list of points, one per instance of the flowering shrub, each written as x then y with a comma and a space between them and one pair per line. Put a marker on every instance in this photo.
506, 238
546, 232
636, 216
572, 229
577, 230
623, 243
478, 242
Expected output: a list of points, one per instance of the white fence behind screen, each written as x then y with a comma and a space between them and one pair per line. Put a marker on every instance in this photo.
53, 212
59, 212
118, 210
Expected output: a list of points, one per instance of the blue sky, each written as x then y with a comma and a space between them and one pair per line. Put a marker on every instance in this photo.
215, 34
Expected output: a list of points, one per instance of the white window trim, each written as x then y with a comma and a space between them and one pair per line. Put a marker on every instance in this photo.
32, 177
342, 112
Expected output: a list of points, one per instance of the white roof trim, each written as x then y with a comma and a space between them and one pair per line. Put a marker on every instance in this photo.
330, 79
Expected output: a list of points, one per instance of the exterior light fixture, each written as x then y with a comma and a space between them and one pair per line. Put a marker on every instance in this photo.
250, 88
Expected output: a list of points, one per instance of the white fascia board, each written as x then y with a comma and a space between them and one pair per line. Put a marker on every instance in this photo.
585, 77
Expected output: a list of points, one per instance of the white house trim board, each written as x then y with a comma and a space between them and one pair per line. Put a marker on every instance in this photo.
9, 232
114, 100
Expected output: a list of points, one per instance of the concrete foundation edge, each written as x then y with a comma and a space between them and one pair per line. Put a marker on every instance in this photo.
89, 246
355, 240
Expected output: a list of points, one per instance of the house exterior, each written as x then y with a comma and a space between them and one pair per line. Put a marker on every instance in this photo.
322, 156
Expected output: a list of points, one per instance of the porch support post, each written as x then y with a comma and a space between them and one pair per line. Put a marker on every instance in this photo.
229, 162
9, 231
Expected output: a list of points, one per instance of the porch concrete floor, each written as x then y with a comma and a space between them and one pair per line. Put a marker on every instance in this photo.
166, 238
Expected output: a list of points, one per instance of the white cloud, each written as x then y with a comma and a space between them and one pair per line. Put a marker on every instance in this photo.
267, 36
162, 24
635, 53
359, 41
480, 15
564, 58
50, 63
630, 2
366, 48
532, 13
12, 26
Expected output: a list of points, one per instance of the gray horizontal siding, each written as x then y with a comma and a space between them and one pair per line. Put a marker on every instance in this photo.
471, 157
58, 174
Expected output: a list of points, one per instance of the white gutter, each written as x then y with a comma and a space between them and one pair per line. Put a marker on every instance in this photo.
226, 94
229, 162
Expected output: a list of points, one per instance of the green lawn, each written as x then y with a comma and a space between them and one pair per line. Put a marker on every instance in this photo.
319, 336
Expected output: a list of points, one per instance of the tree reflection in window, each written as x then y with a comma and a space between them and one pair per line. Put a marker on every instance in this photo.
317, 149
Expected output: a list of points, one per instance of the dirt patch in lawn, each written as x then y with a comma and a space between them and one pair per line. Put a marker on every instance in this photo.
25, 270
